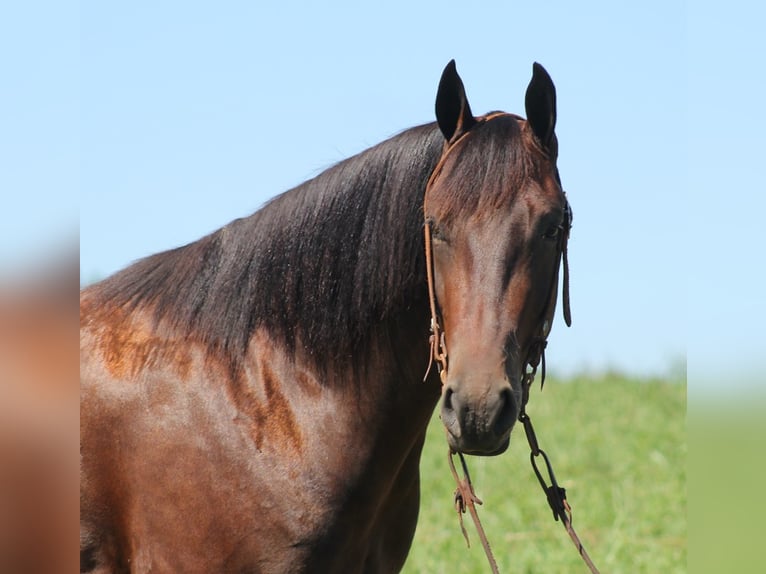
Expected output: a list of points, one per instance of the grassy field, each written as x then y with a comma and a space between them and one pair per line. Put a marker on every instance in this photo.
727, 469
619, 448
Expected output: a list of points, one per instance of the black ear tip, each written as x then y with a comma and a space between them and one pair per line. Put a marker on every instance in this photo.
539, 70
450, 69
453, 114
540, 103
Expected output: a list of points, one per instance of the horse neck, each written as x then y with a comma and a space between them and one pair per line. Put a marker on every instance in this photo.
350, 276
333, 269
340, 266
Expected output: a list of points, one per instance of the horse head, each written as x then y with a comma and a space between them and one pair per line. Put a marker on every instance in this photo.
497, 222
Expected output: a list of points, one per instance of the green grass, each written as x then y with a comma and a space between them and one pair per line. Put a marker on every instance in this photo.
619, 448
727, 469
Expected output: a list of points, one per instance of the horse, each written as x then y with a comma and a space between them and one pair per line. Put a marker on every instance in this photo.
255, 401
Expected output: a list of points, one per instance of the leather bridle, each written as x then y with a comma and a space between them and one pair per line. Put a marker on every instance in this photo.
465, 497
437, 339
438, 342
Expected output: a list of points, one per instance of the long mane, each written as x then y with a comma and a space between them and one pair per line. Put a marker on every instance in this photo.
320, 264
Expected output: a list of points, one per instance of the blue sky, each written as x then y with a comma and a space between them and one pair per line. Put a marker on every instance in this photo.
161, 121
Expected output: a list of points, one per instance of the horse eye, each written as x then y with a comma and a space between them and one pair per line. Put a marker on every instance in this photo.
552, 232
438, 233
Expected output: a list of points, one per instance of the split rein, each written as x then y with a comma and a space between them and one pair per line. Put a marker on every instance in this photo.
465, 496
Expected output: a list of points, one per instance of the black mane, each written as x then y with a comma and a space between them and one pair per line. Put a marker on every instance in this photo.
320, 264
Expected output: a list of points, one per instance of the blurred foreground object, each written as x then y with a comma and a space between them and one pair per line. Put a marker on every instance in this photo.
39, 414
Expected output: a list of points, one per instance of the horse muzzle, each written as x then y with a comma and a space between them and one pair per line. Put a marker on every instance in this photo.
479, 419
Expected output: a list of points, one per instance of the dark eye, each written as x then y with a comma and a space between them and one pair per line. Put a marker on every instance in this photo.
437, 232
552, 232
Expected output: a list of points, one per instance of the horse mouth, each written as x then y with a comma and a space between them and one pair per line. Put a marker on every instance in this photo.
478, 448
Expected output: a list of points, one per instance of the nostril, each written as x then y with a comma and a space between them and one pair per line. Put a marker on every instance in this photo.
447, 403
448, 414
506, 412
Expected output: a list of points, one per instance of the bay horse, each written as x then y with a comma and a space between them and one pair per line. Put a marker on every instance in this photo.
254, 401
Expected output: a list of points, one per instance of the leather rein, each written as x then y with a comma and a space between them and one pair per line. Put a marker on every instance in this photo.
465, 496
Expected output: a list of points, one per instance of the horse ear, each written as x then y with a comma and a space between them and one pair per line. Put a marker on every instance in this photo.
453, 113
540, 103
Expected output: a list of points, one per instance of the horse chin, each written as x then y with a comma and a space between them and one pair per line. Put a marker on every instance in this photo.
456, 445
